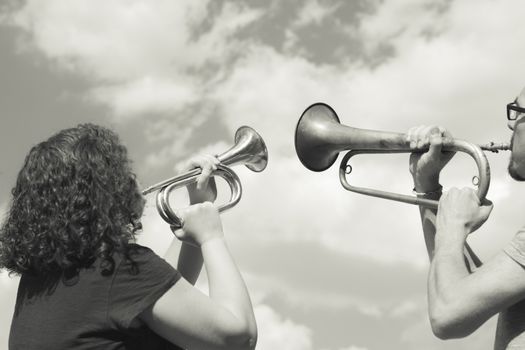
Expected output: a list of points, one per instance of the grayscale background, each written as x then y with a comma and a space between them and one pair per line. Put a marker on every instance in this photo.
327, 269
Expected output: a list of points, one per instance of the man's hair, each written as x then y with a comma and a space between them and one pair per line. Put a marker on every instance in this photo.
75, 199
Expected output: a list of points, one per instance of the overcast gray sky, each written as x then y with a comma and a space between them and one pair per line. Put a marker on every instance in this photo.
327, 269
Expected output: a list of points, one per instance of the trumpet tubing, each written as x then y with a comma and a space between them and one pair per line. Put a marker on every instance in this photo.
249, 149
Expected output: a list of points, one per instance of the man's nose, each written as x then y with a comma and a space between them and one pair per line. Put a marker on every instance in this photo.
511, 123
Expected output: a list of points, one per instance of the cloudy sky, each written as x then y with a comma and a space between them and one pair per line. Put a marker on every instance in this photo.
327, 269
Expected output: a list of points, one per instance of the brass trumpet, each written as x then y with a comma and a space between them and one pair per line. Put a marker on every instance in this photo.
249, 149
320, 136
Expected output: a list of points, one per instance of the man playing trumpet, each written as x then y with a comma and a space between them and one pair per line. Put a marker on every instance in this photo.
461, 297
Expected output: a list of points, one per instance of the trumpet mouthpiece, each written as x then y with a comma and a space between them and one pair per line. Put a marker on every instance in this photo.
495, 146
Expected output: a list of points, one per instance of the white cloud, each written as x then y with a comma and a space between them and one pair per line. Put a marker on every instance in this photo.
261, 288
148, 95
277, 332
177, 148
395, 22
293, 204
8, 287
139, 54
407, 307
147, 68
314, 12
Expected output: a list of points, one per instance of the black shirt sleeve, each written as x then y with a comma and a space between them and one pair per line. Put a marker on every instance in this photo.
137, 284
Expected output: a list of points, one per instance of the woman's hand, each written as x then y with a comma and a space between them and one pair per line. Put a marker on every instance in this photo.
205, 189
201, 223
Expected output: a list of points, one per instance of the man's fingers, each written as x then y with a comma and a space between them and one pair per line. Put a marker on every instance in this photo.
414, 135
436, 143
487, 202
410, 134
425, 133
486, 208
419, 136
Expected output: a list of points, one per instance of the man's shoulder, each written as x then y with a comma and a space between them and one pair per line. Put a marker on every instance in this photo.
515, 249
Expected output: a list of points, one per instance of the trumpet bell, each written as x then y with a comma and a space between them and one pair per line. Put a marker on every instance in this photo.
312, 137
249, 149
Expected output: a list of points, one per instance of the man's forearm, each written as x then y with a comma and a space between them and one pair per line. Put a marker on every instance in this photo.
428, 223
445, 297
447, 267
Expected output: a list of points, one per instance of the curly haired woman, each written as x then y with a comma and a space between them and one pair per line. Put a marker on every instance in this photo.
84, 284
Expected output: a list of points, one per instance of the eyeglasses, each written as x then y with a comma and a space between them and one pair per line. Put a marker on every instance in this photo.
513, 110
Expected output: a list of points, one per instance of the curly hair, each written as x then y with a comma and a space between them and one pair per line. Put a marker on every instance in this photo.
75, 200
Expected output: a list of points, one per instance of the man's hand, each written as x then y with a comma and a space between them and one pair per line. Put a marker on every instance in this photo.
460, 213
425, 167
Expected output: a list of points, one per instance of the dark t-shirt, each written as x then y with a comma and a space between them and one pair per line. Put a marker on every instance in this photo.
93, 309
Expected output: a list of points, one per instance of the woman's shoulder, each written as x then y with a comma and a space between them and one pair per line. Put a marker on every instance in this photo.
139, 280
139, 249
141, 253
140, 258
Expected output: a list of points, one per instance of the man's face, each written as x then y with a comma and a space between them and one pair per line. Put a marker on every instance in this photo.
517, 158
